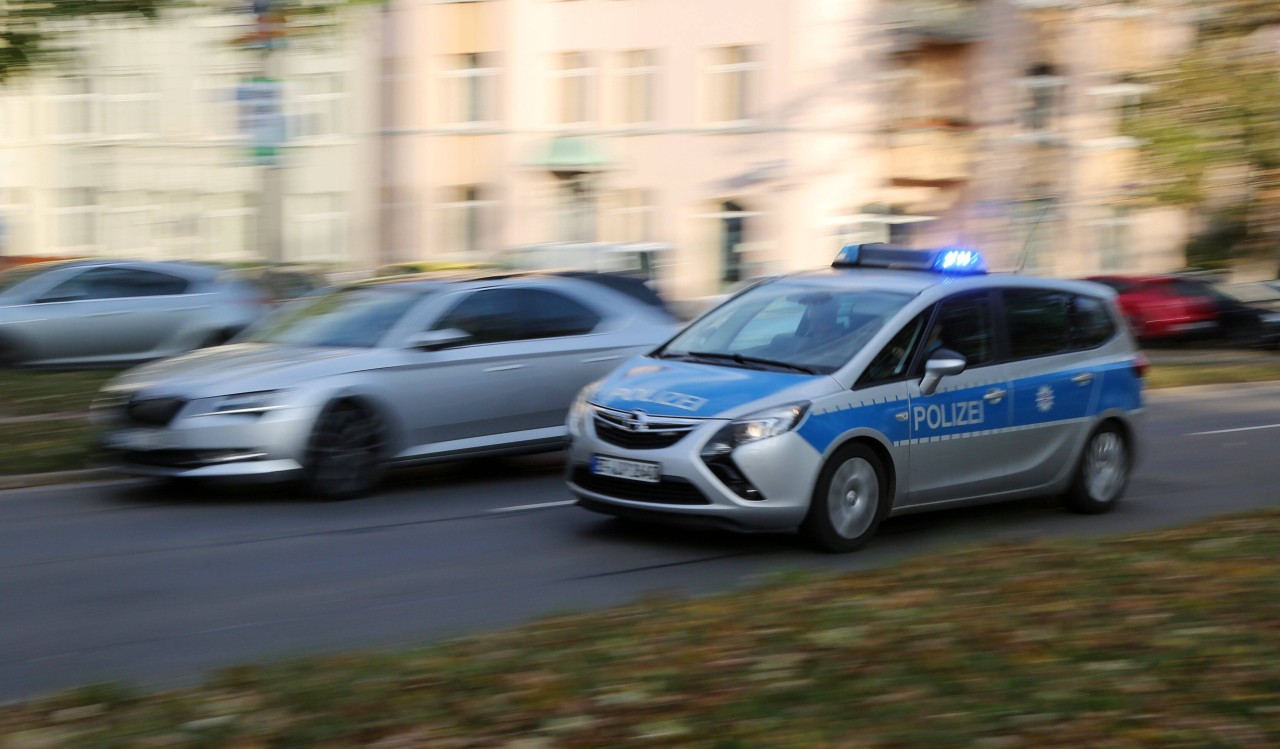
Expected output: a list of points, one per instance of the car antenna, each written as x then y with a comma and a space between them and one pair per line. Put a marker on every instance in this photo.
1026, 246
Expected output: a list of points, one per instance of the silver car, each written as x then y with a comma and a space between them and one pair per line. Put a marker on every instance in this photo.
897, 381
333, 388
103, 312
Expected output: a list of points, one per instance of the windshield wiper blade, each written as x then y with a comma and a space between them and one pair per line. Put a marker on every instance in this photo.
744, 360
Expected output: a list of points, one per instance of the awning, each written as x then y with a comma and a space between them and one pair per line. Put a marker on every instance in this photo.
572, 153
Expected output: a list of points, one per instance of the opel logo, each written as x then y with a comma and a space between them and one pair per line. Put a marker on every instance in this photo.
636, 421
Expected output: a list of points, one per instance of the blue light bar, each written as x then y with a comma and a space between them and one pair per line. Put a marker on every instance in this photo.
951, 260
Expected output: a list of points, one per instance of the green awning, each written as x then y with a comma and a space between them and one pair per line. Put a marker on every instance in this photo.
572, 153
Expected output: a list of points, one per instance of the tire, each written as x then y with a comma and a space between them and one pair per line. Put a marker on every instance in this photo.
849, 501
1102, 473
344, 456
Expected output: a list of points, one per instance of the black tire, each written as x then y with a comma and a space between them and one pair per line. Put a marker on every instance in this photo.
1102, 472
849, 501
345, 453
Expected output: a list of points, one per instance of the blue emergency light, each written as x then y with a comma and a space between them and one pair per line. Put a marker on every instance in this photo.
950, 260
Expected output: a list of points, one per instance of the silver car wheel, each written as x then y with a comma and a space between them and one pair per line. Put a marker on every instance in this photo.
1106, 466
853, 498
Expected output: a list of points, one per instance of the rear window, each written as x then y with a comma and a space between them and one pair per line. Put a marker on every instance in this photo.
1043, 322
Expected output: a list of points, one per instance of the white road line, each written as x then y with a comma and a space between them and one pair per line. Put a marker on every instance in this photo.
518, 508
1238, 429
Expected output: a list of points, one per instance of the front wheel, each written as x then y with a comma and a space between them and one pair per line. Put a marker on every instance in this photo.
849, 502
1103, 472
344, 456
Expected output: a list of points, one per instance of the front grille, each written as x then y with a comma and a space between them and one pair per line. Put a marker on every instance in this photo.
668, 491
153, 412
639, 431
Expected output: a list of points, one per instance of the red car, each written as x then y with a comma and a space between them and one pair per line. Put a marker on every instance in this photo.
1164, 307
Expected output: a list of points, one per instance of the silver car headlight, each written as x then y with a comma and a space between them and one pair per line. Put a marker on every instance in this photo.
580, 411
241, 404
755, 427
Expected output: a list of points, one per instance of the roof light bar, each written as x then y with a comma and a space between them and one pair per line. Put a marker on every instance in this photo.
951, 260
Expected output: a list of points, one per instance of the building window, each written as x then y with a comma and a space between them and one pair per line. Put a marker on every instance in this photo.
318, 105
75, 215
735, 73
320, 221
228, 226
1114, 238
466, 221
638, 75
471, 89
575, 95
128, 223
130, 105
628, 216
1044, 95
74, 107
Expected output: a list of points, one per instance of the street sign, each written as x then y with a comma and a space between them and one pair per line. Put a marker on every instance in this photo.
261, 118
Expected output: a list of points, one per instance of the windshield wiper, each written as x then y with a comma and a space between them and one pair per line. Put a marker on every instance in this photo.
745, 360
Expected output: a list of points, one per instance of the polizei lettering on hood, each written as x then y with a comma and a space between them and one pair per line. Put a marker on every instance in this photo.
666, 398
946, 415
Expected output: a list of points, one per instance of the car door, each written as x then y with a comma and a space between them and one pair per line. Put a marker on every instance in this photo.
1055, 381
83, 318
959, 434
161, 307
468, 396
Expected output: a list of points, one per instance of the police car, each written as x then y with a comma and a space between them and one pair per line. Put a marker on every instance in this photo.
896, 381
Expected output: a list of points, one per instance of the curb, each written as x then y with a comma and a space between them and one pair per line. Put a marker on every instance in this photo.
28, 480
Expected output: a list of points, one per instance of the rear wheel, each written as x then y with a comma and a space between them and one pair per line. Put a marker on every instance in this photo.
849, 502
344, 456
1103, 472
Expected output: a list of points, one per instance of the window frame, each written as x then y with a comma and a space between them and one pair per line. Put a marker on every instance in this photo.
995, 315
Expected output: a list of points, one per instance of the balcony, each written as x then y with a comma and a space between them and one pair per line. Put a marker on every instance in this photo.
916, 23
931, 156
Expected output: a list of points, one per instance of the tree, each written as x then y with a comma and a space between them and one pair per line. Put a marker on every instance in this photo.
30, 29
1210, 126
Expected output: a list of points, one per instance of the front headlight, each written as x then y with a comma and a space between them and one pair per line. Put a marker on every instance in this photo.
1271, 318
756, 427
253, 404
580, 411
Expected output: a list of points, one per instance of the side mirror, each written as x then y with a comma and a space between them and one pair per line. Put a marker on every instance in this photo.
434, 340
943, 363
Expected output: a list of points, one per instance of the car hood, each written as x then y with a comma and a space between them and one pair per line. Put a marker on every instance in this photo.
238, 368
673, 388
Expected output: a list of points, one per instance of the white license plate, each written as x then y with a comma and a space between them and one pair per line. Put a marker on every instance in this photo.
139, 439
635, 470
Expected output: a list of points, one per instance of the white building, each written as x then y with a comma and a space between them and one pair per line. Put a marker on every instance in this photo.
133, 146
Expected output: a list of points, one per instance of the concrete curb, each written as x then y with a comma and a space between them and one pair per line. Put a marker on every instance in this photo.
29, 480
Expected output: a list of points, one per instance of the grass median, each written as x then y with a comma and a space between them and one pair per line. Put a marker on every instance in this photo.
61, 441
1163, 639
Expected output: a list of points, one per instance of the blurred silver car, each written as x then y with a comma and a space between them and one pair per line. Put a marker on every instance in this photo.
333, 388
99, 312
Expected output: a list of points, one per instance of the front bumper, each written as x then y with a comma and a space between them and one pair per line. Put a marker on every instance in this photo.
253, 448
783, 469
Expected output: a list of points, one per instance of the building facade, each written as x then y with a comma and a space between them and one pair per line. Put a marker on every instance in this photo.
134, 146
757, 142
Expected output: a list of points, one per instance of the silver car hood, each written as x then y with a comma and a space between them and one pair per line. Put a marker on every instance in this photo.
240, 368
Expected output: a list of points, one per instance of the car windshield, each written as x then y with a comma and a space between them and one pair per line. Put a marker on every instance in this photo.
15, 276
787, 326
355, 317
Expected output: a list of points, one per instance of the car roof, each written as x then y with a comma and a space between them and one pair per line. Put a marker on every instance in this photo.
916, 282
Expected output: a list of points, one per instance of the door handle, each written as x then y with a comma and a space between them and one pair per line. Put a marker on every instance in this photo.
902, 416
594, 359
505, 367
995, 395
1082, 379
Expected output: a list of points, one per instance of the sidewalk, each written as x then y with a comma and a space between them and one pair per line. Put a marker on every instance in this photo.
1173, 355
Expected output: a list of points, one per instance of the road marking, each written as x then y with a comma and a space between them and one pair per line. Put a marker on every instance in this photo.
518, 508
1237, 429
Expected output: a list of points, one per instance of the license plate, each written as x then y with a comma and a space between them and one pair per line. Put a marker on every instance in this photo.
635, 470
139, 439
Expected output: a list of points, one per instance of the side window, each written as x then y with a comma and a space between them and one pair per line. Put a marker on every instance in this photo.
551, 315
895, 358
963, 325
94, 283
1039, 322
489, 315
1091, 323
148, 283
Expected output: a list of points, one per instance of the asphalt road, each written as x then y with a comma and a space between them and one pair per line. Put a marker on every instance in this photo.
120, 580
